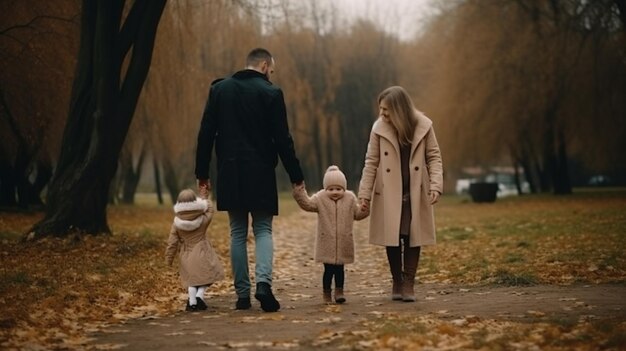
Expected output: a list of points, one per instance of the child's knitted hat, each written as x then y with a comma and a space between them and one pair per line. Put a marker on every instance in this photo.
334, 176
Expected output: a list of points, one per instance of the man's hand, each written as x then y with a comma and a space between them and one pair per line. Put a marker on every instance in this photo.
204, 188
298, 185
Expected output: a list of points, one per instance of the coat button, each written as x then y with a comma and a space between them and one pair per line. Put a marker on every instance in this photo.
417, 168
388, 170
386, 153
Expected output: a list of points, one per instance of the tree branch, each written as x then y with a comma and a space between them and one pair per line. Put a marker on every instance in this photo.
30, 23
130, 28
139, 64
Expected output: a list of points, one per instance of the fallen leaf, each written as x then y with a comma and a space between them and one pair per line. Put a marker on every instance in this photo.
535, 313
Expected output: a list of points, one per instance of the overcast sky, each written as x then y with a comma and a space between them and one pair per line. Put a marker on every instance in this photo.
401, 17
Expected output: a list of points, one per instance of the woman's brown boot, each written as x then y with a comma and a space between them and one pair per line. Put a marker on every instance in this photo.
396, 290
394, 257
408, 293
411, 259
328, 299
339, 298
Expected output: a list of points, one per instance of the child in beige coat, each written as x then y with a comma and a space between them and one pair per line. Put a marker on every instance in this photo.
337, 209
199, 263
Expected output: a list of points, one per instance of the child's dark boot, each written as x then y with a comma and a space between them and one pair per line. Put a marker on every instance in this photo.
328, 299
339, 298
191, 308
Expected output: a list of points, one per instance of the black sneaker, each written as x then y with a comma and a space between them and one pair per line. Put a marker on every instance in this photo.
243, 303
265, 296
201, 306
191, 308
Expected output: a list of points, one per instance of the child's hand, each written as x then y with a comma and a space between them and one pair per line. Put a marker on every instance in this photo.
204, 194
365, 205
298, 189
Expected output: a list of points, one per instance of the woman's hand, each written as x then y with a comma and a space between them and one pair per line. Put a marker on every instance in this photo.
365, 204
434, 197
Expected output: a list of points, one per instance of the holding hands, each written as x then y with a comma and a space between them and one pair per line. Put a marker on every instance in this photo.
204, 188
365, 205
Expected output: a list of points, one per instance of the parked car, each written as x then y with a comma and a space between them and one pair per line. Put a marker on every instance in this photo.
506, 184
462, 185
599, 180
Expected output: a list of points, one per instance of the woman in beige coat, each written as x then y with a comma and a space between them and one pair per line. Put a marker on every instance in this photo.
403, 179
336, 210
199, 263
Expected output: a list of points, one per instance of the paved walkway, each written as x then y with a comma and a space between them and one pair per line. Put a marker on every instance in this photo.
303, 320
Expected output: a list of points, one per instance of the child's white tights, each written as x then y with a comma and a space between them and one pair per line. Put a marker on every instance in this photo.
201, 290
196, 292
192, 295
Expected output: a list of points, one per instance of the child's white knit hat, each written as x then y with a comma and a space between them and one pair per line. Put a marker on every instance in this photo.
334, 176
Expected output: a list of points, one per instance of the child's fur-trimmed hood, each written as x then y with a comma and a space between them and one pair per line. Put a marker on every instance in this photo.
189, 214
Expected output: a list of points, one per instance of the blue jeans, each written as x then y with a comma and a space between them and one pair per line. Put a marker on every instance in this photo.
264, 249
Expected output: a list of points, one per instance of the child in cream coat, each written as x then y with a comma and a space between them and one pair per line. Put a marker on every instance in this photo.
336, 210
199, 264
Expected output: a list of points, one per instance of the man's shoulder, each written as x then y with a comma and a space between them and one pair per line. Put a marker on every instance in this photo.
214, 82
267, 87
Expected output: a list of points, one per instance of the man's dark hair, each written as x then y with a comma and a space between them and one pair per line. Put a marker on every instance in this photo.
258, 55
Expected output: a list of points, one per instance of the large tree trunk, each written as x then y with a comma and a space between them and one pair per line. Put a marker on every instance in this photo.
101, 109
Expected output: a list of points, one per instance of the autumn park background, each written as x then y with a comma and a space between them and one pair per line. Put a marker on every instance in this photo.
100, 104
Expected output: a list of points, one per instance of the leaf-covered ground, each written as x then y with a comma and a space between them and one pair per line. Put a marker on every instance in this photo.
102, 292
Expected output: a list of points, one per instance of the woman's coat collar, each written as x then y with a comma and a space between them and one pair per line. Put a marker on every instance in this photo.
386, 130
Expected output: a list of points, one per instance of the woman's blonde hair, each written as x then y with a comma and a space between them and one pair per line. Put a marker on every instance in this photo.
186, 195
401, 112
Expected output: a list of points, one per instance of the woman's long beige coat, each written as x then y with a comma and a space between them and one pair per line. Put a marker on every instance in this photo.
381, 183
334, 242
199, 263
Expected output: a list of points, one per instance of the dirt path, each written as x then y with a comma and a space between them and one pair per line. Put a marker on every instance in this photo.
303, 317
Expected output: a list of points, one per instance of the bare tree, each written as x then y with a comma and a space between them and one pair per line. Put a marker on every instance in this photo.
509, 90
104, 97
36, 48
368, 68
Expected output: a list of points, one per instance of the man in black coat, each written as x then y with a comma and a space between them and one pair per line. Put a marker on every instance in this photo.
245, 118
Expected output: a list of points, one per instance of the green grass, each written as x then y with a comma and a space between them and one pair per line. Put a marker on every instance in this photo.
455, 233
534, 238
8, 235
514, 258
504, 277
